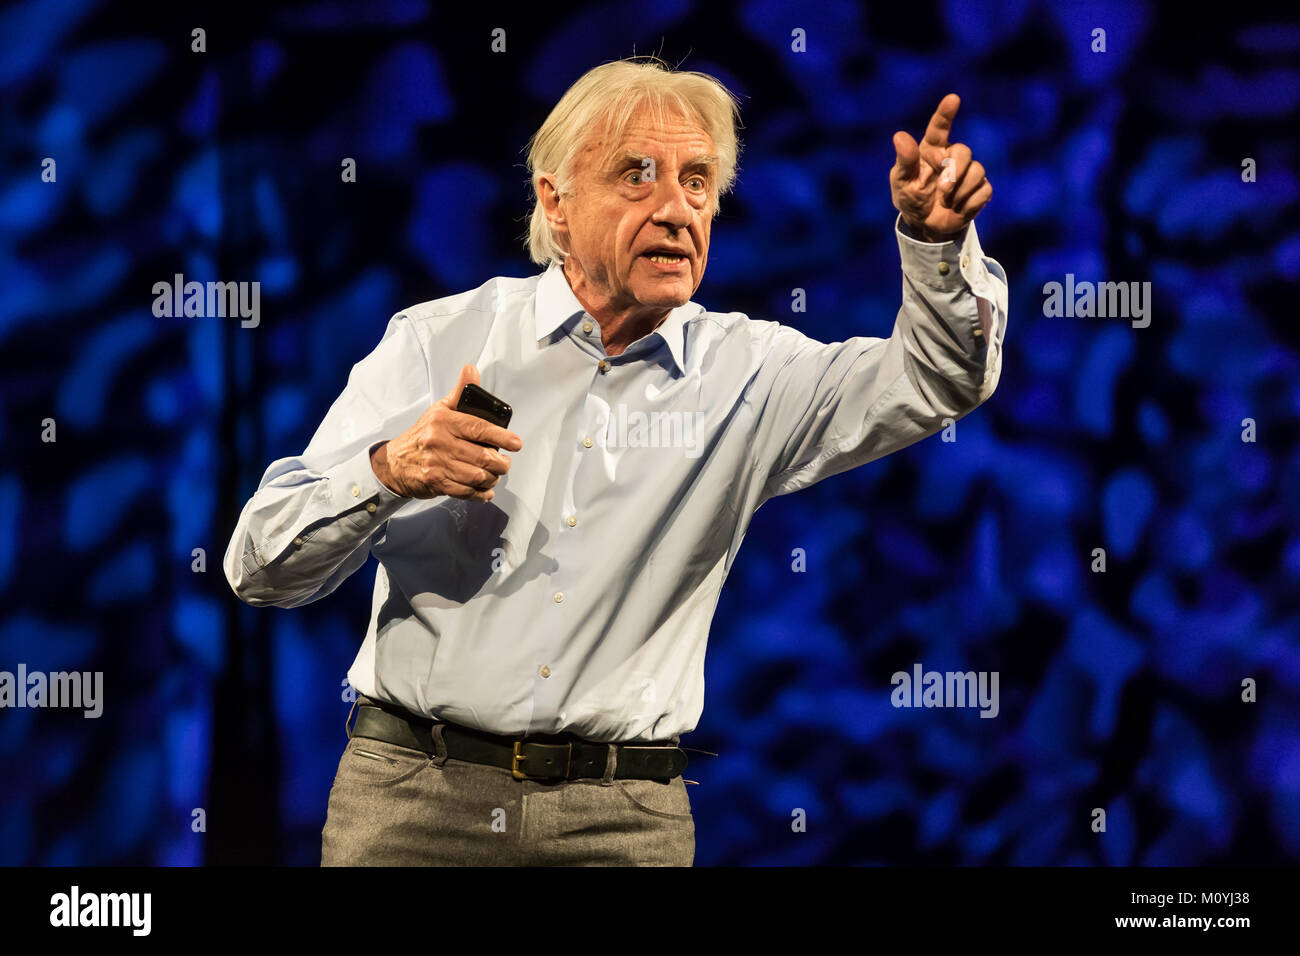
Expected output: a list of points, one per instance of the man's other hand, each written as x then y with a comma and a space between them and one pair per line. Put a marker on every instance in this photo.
444, 454
937, 187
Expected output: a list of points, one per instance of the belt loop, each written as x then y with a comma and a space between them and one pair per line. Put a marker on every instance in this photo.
611, 764
347, 721
439, 745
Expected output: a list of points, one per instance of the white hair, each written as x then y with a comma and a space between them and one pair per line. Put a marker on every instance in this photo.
601, 103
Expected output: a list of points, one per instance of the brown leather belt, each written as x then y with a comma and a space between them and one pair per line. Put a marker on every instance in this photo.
536, 757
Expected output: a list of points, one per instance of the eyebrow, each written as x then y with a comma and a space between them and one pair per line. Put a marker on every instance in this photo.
631, 158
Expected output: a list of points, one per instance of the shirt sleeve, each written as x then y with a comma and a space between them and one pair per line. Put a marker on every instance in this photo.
823, 409
309, 524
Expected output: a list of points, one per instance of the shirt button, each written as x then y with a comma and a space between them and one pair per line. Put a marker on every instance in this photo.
943, 267
559, 597
297, 542
572, 519
586, 326
964, 260
545, 671
371, 507
603, 366
587, 442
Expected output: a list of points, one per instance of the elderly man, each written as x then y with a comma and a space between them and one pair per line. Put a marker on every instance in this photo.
544, 591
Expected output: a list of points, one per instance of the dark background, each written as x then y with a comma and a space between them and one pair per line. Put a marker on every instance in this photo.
1119, 690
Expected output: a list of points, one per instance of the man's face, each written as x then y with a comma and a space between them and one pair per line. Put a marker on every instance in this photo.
653, 196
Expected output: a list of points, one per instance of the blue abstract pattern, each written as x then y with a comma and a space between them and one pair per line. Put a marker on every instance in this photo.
1164, 690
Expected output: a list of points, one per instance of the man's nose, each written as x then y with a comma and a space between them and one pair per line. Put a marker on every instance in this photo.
673, 209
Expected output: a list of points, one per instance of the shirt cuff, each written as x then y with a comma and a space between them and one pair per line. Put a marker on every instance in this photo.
356, 491
948, 266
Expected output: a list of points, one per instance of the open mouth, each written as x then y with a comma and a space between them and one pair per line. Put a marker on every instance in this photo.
665, 260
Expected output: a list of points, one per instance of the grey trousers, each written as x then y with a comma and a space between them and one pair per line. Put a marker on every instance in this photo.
392, 806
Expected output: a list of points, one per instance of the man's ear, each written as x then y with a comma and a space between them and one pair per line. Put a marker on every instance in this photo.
552, 205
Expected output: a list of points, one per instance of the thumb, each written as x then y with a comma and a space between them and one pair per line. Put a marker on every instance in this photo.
908, 156
468, 376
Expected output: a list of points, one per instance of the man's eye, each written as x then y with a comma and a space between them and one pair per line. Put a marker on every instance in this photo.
638, 174
697, 179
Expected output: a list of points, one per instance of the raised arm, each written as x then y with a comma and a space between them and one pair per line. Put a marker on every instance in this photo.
825, 408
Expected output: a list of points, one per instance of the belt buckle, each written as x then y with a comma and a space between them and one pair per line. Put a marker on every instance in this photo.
525, 775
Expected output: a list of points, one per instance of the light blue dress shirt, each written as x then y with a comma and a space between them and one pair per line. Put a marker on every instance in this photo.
579, 599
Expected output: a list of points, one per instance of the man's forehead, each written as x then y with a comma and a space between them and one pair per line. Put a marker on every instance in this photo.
679, 130
694, 150
646, 136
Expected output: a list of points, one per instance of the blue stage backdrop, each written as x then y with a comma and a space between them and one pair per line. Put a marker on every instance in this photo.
1115, 533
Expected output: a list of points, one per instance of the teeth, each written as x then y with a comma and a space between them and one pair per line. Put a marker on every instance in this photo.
665, 259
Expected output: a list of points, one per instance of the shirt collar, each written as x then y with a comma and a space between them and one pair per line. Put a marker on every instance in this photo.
556, 304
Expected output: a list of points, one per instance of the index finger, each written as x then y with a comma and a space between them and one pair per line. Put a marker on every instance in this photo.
477, 429
936, 134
